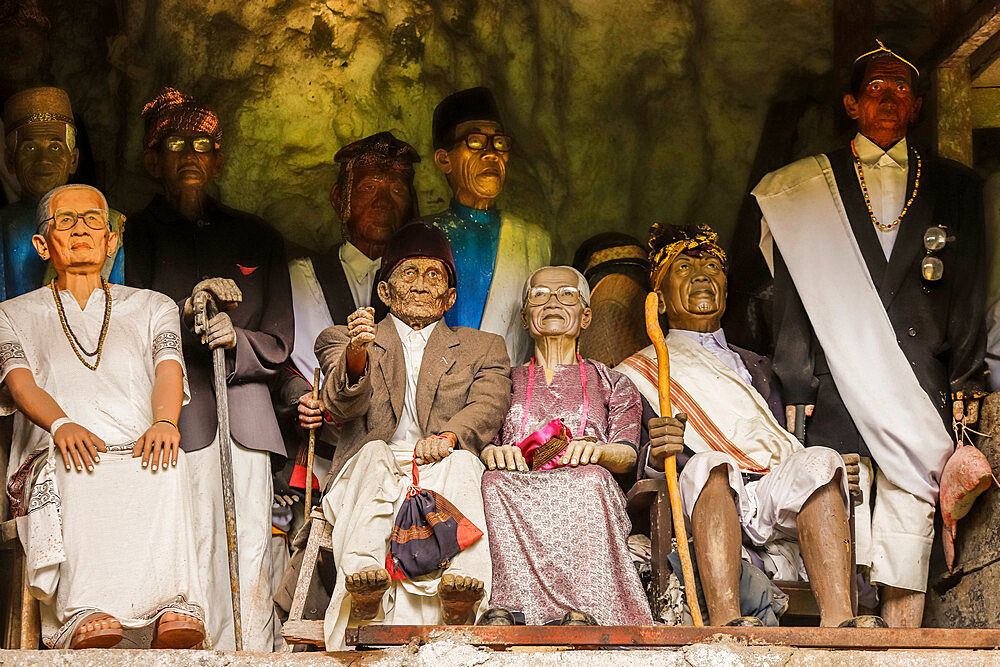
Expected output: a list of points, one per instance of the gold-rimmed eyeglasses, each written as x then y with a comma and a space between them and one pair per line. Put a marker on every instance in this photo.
65, 218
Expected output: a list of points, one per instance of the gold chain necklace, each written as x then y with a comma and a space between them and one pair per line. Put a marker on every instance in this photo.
868, 201
74, 342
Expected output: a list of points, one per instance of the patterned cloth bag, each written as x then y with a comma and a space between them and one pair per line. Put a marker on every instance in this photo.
429, 532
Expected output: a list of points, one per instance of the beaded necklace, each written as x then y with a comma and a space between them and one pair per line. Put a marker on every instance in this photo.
868, 202
74, 342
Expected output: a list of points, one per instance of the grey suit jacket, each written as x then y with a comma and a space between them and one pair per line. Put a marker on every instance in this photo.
463, 387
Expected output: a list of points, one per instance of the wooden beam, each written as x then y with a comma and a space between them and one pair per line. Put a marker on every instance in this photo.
584, 637
971, 32
953, 112
304, 632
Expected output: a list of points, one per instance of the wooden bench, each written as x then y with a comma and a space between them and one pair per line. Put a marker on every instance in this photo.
21, 622
298, 630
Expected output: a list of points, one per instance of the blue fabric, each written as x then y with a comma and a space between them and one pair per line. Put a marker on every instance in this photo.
474, 235
22, 269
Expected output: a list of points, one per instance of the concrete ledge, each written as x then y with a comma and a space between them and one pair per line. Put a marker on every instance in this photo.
725, 653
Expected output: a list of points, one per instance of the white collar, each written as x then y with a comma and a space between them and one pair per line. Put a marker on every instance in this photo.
359, 263
719, 335
404, 330
871, 153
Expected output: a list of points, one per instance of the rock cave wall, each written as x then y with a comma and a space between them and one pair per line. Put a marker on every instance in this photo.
622, 113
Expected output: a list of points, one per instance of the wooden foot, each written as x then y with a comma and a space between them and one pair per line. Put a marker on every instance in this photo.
458, 596
366, 588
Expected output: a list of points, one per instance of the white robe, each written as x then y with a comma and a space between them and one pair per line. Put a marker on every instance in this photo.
116, 540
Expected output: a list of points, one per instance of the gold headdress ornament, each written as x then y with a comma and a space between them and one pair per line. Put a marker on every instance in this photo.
882, 48
666, 242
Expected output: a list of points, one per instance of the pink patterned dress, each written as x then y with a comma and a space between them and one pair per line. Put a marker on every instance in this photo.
558, 538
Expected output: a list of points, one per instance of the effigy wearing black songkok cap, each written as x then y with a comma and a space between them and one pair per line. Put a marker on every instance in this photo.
470, 104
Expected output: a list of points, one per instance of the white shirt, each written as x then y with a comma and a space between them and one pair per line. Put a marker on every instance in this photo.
716, 343
113, 402
885, 175
408, 430
360, 271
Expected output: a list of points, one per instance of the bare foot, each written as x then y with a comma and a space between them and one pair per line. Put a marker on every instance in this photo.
97, 631
366, 589
458, 596
177, 630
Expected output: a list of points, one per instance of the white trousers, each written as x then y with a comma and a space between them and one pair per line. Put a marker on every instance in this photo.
896, 535
362, 504
253, 494
768, 507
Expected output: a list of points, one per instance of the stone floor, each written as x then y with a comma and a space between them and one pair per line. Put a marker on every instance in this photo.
725, 653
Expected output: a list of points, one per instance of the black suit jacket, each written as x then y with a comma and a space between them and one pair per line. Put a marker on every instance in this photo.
939, 325
763, 380
171, 254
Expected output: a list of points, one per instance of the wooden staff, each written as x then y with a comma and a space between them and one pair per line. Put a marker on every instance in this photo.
226, 459
312, 451
670, 464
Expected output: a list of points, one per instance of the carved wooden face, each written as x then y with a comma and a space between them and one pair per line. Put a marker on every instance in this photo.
79, 247
183, 170
417, 291
380, 203
693, 293
42, 159
887, 105
474, 175
552, 318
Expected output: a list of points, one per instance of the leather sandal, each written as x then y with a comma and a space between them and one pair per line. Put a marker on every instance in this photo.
178, 633
576, 617
864, 622
100, 638
745, 622
496, 616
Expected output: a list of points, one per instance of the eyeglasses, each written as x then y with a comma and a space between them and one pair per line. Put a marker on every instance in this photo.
65, 218
935, 239
176, 144
566, 295
477, 141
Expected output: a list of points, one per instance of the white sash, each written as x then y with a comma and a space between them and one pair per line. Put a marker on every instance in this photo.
312, 315
904, 432
728, 406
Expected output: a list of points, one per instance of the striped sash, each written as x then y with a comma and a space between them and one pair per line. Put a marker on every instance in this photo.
697, 417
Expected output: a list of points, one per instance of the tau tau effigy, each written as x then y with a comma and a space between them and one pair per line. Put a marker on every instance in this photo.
494, 251
419, 400
556, 515
96, 376
746, 480
888, 243
42, 154
192, 248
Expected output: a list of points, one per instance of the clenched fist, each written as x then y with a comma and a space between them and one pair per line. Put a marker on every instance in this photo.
666, 437
224, 291
434, 448
361, 328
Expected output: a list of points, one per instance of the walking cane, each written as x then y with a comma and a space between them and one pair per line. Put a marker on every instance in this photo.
226, 457
670, 465
312, 451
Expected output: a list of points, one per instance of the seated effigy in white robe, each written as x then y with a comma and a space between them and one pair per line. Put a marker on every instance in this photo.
730, 424
116, 540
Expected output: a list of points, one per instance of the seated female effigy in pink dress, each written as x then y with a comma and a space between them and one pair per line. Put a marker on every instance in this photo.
558, 532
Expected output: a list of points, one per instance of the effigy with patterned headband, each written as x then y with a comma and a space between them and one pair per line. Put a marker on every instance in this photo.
666, 242
173, 111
